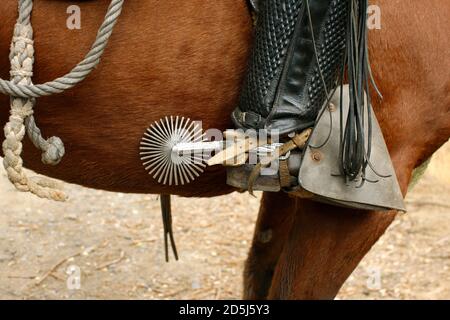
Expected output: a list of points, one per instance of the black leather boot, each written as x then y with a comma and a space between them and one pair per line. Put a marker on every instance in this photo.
304, 50
285, 89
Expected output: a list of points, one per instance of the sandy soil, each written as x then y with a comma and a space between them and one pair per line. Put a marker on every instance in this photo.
114, 241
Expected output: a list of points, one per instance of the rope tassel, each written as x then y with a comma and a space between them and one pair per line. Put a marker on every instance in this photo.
23, 94
21, 116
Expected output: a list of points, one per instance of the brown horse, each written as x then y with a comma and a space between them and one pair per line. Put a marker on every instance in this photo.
188, 58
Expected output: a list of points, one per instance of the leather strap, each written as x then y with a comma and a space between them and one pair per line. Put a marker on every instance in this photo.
285, 177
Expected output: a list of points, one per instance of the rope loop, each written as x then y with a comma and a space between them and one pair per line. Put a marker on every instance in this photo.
23, 98
78, 73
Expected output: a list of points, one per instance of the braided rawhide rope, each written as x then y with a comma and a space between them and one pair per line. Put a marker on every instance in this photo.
24, 93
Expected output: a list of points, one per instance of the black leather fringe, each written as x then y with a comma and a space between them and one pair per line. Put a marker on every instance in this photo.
167, 222
355, 146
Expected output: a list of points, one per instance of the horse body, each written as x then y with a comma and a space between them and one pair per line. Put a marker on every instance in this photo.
165, 58
188, 58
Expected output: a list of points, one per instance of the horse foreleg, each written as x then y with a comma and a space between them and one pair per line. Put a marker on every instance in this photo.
272, 229
324, 246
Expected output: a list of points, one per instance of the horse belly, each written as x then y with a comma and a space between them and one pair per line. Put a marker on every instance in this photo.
165, 58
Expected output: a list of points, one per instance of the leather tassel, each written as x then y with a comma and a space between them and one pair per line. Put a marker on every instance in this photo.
167, 223
355, 146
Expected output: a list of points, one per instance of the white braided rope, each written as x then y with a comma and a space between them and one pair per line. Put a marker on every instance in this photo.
23, 94
80, 72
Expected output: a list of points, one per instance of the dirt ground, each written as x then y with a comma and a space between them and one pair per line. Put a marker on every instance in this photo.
114, 243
